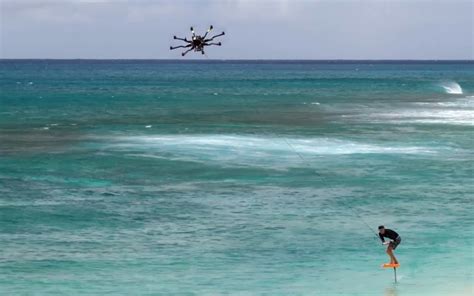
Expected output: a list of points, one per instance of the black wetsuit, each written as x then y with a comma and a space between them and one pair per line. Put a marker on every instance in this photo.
396, 240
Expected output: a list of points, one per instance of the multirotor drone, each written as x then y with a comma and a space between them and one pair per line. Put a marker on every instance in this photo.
197, 43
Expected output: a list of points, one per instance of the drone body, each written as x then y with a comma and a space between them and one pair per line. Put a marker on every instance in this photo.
197, 42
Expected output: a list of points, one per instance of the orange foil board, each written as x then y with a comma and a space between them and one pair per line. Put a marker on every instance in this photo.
388, 265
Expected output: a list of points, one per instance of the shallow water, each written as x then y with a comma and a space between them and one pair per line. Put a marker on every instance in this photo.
165, 177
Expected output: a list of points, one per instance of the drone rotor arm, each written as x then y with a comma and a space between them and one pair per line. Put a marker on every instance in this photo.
208, 31
182, 39
213, 43
215, 36
179, 46
185, 52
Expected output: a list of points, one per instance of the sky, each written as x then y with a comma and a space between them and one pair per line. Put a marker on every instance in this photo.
258, 29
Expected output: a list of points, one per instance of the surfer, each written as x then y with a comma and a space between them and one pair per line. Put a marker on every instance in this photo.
392, 245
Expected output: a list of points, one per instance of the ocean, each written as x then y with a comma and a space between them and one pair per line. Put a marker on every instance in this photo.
202, 177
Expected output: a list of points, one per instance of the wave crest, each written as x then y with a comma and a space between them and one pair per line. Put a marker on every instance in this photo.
452, 87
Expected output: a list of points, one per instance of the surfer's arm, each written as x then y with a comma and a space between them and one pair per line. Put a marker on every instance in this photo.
381, 238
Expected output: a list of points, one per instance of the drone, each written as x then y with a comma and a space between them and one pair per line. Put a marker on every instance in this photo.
197, 43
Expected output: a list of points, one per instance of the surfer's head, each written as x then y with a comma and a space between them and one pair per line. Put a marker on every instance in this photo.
381, 229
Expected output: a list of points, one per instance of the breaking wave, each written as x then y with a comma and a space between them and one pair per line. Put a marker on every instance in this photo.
452, 88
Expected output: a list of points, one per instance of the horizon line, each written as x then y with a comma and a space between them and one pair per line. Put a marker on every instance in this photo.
344, 59
225, 60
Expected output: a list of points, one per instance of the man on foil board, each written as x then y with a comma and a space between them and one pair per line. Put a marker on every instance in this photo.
395, 240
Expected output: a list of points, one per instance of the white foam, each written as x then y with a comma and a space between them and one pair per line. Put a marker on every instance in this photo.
441, 116
466, 102
452, 112
250, 150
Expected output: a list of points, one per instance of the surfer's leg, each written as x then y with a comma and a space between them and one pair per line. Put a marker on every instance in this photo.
390, 254
393, 245
394, 259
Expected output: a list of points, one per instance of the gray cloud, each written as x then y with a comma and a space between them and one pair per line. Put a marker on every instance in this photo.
255, 29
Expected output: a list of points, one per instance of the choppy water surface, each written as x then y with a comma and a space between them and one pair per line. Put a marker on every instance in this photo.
153, 177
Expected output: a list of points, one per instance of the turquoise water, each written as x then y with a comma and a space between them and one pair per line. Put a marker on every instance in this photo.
209, 178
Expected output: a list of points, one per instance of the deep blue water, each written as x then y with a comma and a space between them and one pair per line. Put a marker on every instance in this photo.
240, 177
